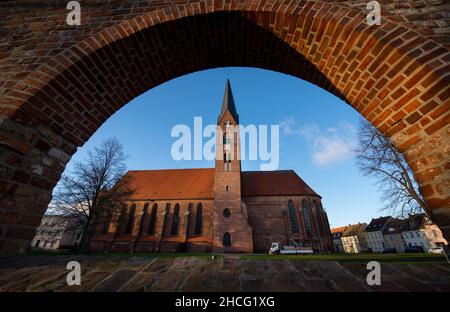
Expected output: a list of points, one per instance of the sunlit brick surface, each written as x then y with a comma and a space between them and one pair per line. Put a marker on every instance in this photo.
201, 274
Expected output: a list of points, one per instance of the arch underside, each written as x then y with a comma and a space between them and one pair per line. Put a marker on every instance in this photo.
394, 76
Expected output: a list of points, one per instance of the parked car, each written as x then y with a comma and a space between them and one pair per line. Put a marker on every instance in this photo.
414, 249
436, 250
389, 250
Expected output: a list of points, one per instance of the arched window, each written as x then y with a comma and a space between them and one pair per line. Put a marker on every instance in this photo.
175, 220
319, 218
129, 228
226, 213
226, 239
152, 222
308, 223
226, 138
144, 216
199, 219
292, 217
226, 162
122, 219
188, 219
105, 227
165, 215
226, 151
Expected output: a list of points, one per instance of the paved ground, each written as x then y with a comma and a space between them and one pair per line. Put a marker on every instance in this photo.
120, 273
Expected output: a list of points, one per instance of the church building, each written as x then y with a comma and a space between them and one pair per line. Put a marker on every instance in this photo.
220, 209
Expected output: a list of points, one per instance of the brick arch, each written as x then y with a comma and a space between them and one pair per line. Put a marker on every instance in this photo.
56, 94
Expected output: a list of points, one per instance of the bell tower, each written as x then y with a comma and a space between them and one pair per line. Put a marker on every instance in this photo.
231, 231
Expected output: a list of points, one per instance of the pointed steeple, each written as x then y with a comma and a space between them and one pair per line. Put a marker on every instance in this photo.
228, 104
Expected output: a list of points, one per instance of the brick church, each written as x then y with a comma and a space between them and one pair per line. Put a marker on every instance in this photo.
220, 209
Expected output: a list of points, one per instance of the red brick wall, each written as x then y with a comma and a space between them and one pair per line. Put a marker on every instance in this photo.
59, 83
270, 221
227, 195
143, 242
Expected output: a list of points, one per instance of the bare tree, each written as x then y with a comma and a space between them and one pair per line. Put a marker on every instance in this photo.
377, 156
94, 193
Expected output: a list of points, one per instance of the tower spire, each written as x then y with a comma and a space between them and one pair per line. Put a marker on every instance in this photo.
228, 104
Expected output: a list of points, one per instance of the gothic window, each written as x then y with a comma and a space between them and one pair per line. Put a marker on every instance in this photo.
152, 222
175, 220
188, 218
226, 213
292, 217
226, 162
226, 139
199, 220
308, 223
105, 227
319, 218
165, 219
144, 216
226, 239
121, 222
227, 155
130, 219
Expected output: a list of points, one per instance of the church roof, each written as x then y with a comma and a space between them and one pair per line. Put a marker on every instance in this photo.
172, 183
228, 104
199, 183
279, 182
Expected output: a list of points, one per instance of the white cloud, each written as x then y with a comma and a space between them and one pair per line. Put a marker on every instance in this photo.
331, 146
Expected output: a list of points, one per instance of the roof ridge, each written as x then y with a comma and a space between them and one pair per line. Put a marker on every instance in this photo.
269, 171
170, 169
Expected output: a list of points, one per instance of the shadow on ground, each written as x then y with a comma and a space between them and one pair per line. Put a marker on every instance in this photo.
202, 274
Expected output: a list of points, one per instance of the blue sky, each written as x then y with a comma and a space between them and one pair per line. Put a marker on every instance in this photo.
317, 132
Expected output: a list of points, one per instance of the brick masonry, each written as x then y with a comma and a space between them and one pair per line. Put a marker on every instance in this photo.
162, 240
59, 83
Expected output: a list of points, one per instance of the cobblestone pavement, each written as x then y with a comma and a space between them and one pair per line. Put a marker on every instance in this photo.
118, 273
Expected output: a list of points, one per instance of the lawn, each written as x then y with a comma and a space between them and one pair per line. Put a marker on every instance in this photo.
398, 258
363, 258
125, 255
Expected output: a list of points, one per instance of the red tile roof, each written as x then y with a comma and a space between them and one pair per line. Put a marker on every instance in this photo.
338, 229
199, 183
280, 182
172, 183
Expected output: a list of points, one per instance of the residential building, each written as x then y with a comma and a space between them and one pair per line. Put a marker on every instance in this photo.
354, 238
419, 230
374, 234
57, 232
392, 234
336, 235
